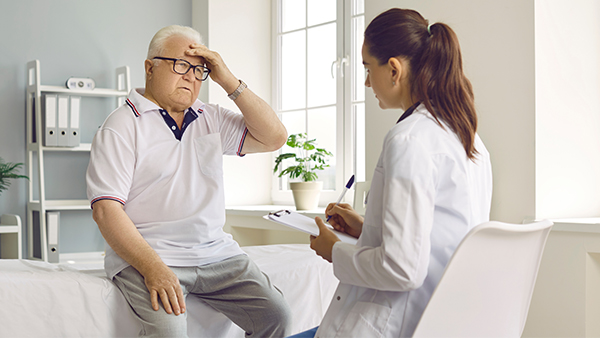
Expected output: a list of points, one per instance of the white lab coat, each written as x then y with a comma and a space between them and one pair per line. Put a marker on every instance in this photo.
425, 196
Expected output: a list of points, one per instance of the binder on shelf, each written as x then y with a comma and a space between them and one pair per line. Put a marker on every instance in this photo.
50, 131
53, 225
74, 137
63, 121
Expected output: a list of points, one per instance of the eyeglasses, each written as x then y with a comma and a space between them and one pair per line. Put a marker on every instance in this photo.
181, 67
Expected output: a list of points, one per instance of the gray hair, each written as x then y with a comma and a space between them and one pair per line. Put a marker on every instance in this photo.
157, 44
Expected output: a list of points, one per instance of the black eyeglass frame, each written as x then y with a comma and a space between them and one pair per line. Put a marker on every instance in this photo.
205, 73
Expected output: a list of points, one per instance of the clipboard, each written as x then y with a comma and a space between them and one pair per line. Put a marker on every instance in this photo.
303, 223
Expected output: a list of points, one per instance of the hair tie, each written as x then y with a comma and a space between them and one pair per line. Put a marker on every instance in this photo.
429, 28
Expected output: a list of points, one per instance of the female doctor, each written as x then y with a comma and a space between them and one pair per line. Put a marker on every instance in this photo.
432, 183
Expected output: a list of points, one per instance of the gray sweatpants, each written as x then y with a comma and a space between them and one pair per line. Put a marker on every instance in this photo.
236, 287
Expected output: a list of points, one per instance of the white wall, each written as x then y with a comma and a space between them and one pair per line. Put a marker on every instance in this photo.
243, 39
497, 41
566, 301
200, 23
566, 297
567, 108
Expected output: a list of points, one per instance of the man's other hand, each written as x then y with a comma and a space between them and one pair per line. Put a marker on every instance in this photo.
162, 282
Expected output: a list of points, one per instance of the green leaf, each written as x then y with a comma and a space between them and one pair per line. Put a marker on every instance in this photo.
8, 172
309, 159
309, 176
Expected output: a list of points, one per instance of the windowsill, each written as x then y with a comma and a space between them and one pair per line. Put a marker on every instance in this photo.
248, 227
590, 225
261, 210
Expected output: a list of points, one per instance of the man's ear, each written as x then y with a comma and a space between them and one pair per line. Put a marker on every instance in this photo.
149, 66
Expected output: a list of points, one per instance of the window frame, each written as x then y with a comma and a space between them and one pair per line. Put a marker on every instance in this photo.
346, 120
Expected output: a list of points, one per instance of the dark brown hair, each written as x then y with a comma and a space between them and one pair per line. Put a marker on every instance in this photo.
436, 72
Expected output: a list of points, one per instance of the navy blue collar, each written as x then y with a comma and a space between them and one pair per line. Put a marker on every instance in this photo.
408, 112
188, 118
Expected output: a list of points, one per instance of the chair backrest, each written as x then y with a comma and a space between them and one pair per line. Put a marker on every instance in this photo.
361, 191
486, 288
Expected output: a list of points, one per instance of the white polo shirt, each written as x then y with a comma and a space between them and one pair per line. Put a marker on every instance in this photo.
170, 181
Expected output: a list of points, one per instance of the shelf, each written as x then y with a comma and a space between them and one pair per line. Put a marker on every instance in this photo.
62, 205
83, 147
10, 225
9, 229
35, 116
102, 92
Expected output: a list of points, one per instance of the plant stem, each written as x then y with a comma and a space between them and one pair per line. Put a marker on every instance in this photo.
306, 164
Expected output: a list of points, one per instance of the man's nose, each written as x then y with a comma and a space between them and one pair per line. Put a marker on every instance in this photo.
190, 76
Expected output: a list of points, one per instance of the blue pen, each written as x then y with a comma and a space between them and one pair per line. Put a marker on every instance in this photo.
348, 186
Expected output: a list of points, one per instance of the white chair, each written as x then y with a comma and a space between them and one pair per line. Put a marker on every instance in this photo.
361, 191
486, 288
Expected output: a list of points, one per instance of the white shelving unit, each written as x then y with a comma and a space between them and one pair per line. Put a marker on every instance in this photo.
35, 147
10, 236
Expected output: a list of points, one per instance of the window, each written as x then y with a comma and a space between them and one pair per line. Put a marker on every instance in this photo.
319, 85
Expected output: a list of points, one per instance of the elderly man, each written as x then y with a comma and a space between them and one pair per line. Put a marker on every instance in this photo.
155, 182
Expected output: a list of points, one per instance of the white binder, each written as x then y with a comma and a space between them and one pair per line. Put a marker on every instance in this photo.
63, 121
50, 131
53, 226
74, 137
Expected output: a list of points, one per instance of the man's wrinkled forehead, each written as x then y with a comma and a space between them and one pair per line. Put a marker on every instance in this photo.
176, 47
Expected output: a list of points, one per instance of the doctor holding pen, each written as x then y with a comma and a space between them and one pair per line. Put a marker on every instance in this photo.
431, 185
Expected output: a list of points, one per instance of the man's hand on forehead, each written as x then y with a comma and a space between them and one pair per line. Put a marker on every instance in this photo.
213, 61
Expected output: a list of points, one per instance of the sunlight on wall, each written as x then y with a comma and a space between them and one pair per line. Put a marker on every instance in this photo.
567, 49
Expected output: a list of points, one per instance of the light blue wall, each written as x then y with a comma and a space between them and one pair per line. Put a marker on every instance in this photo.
71, 38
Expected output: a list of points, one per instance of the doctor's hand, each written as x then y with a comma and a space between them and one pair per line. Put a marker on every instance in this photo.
323, 244
162, 282
345, 219
218, 70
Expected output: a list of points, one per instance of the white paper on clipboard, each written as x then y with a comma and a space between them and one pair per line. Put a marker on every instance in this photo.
303, 223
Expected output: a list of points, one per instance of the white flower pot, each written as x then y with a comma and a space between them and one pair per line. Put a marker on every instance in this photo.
306, 194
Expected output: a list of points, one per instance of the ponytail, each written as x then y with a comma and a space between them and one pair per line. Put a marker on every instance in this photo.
436, 72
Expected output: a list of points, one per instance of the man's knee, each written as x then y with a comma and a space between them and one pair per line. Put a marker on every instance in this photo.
285, 318
154, 323
283, 311
161, 324
279, 317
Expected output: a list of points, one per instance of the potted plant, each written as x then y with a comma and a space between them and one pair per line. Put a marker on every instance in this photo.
308, 161
8, 172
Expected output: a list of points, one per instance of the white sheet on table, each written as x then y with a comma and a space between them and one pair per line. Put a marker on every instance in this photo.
40, 299
44, 300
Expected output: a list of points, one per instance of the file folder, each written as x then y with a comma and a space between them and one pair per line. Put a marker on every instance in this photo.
74, 137
50, 131
53, 226
305, 224
63, 121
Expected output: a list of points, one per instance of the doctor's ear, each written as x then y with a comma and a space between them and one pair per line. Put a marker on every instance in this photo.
398, 68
